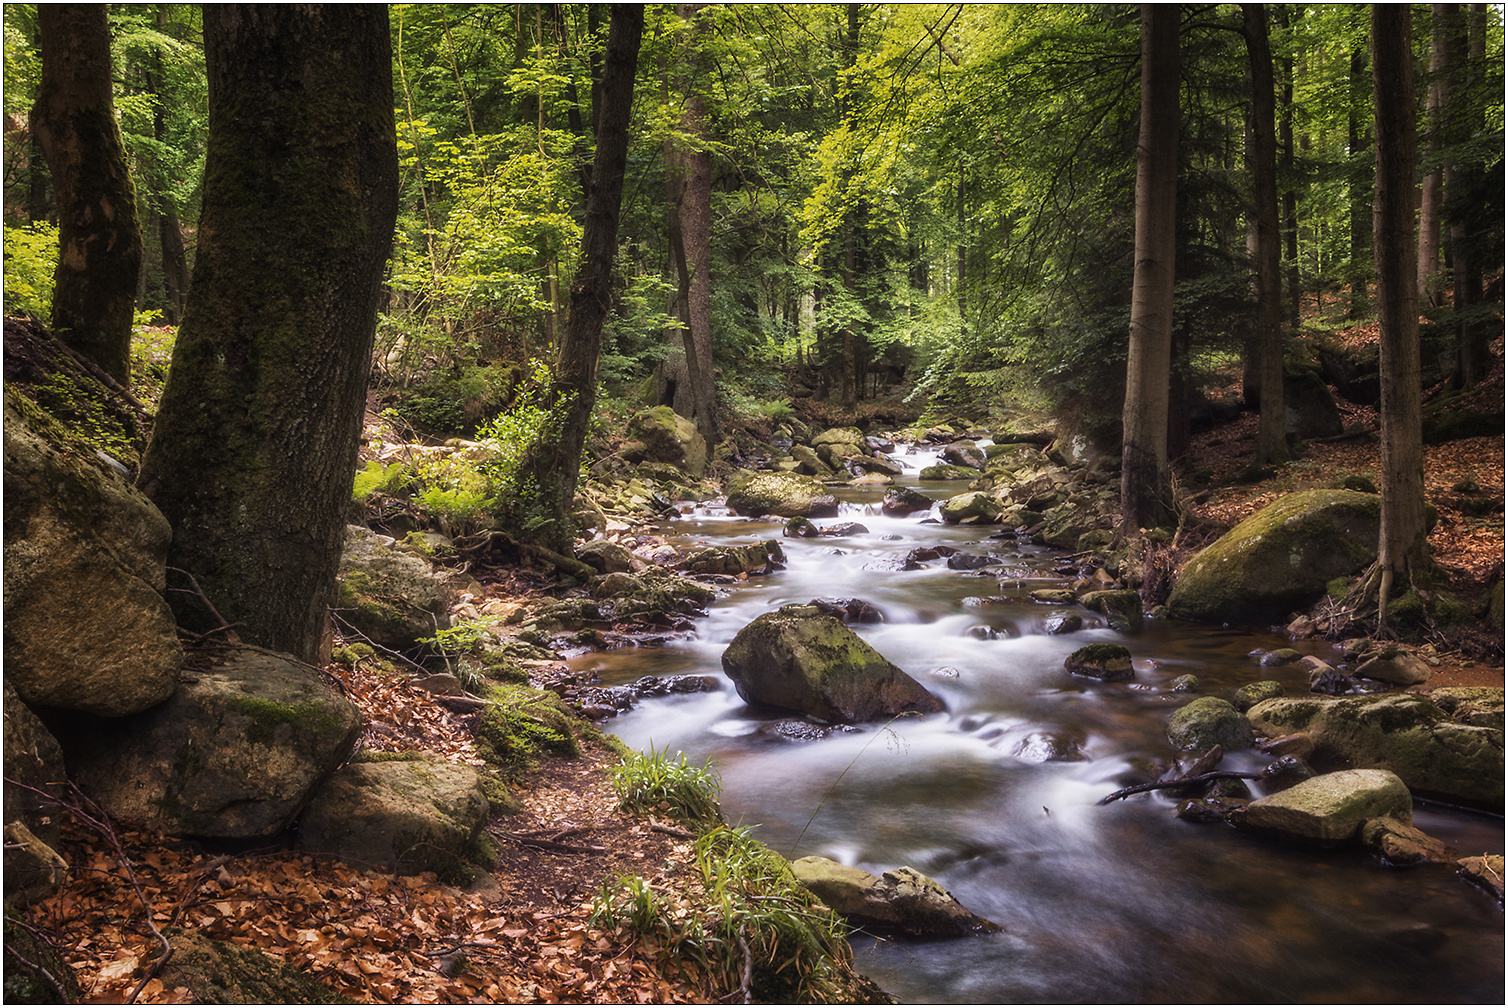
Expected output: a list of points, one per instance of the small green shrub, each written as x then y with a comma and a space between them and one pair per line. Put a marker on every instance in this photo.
31, 256
391, 480
656, 783
521, 725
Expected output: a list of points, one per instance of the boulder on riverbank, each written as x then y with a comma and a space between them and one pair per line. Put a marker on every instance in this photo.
663, 435
785, 495
1405, 733
801, 659
387, 594
234, 754
1280, 559
902, 899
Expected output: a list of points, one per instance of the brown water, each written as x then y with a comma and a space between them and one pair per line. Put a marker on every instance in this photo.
1100, 904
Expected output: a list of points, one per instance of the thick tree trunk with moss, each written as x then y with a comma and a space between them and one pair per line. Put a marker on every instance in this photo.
1402, 549
255, 444
99, 233
1145, 489
548, 473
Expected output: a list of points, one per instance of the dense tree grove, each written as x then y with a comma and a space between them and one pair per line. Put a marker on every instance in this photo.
859, 210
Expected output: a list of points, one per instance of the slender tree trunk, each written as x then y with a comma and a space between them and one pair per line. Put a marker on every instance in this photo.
1431, 282
1402, 548
1263, 239
1145, 491
551, 464
695, 164
1290, 195
99, 233
1358, 139
1460, 179
175, 274
255, 441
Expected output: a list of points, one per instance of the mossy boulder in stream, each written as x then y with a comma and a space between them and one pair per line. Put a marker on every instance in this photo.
785, 495
799, 659
1279, 559
1209, 721
1435, 756
902, 899
1328, 810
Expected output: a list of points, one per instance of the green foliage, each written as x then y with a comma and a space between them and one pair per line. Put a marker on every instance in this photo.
656, 783
520, 725
765, 925
392, 480
31, 256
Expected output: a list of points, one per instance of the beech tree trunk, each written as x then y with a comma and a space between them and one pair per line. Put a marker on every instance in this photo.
1431, 281
551, 464
99, 232
694, 168
1402, 548
1263, 238
255, 443
1145, 490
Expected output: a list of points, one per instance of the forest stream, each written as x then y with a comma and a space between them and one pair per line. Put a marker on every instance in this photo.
1110, 904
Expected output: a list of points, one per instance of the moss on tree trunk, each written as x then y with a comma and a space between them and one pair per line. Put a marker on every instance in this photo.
255, 444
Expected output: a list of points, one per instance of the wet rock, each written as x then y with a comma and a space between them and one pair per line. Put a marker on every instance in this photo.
873, 465
845, 529
1063, 623
809, 463
234, 754
1279, 559
837, 444
900, 501
1485, 871
785, 495
1400, 843
1298, 744
1287, 771
800, 528
1052, 596
674, 685
403, 816
1400, 732
1328, 810
1252, 694
945, 672
803, 731
753, 558
925, 554
1184, 684
1107, 662
902, 900
1047, 747
970, 561
946, 472
1330, 682
965, 454
800, 659
1208, 810
974, 508
1209, 721
849, 610
1280, 656
1122, 608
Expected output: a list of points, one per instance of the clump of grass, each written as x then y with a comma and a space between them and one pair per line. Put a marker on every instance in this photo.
755, 932
657, 783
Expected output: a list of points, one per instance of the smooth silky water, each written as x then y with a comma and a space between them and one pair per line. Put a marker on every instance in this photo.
1099, 904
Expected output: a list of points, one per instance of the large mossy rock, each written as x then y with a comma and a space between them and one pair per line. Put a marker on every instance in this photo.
403, 816
800, 659
973, 508
86, 626
234, 754
902, 899
1279, 559
1207, 722
663, 435
1328, 810
785, 495
753, 558
837, 444
1435, 756
387, 594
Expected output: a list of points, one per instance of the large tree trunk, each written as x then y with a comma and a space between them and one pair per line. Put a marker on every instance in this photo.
255, 443
1402, 549
1461, 179
549, 469
1145, 490
1263, 239
99, 233
694, 164
1431, 283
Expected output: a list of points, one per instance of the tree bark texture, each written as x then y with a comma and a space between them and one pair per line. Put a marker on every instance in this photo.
1402, 548
1145, 489
254, 448
99, 232
552, 463
694, 162
1264, 238
1431, 282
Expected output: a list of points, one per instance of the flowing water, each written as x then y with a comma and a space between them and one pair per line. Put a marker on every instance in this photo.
1099, 904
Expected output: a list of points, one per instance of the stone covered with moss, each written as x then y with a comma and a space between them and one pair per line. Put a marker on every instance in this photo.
1436, 756
234, 754
799, 659
1280, 559
388, 594
783, 494
86, 625
1328, 810
663, 435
